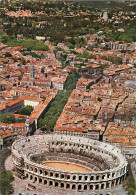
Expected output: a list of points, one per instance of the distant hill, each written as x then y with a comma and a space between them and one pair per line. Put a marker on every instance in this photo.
124, 5
109, 5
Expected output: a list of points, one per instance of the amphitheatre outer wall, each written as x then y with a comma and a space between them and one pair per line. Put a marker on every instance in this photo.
108, 165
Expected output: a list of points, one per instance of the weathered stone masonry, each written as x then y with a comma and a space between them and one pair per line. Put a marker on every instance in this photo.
108, 165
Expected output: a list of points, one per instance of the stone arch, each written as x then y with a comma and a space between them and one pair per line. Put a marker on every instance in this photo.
45, 173
79, 187
103, 176
107, 185
120, 180
97, 177
102, 186
112, 183
27, 167
31, 177
56, 184
51, 174
91, 187
67, 185
35, 179
62, 185
68, 176
85, 178
97, 187
117, 181
74, 177
40, 171
92, 178
123, 177
85, 187
31, 168
40, 180
56, 175
35, 170
113, 174
62, 176
80, 177
45, 182
73, 186
50, 183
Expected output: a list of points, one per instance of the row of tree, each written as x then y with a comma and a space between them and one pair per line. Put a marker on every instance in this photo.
59, 102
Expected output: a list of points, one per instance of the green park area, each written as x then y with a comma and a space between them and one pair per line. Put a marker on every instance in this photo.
29, 44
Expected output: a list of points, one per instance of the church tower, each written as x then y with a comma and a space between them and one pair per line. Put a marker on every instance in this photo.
32, 72
105, 16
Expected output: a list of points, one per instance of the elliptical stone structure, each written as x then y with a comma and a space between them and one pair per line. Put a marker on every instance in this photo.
108, 165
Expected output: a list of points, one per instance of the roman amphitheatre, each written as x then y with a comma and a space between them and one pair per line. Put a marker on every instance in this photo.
68, 162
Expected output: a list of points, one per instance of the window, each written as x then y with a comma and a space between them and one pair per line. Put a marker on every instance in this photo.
85, 187
40, 180
73, 186
80, 177
91, 187
86, 178
68, 176
62, 185
103, 176
56, 184
67, 185
51, 174
79, 187
35, 179
31, 177
92, 178
97, 177
97, 187
62, 176
74, 177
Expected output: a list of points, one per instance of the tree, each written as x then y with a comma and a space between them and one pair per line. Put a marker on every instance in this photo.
8, 54
23, 61
5, 182
58, 104
26, 110
41, 123
7, 118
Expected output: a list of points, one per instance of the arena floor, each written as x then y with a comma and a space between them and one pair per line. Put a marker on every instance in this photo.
66, 166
